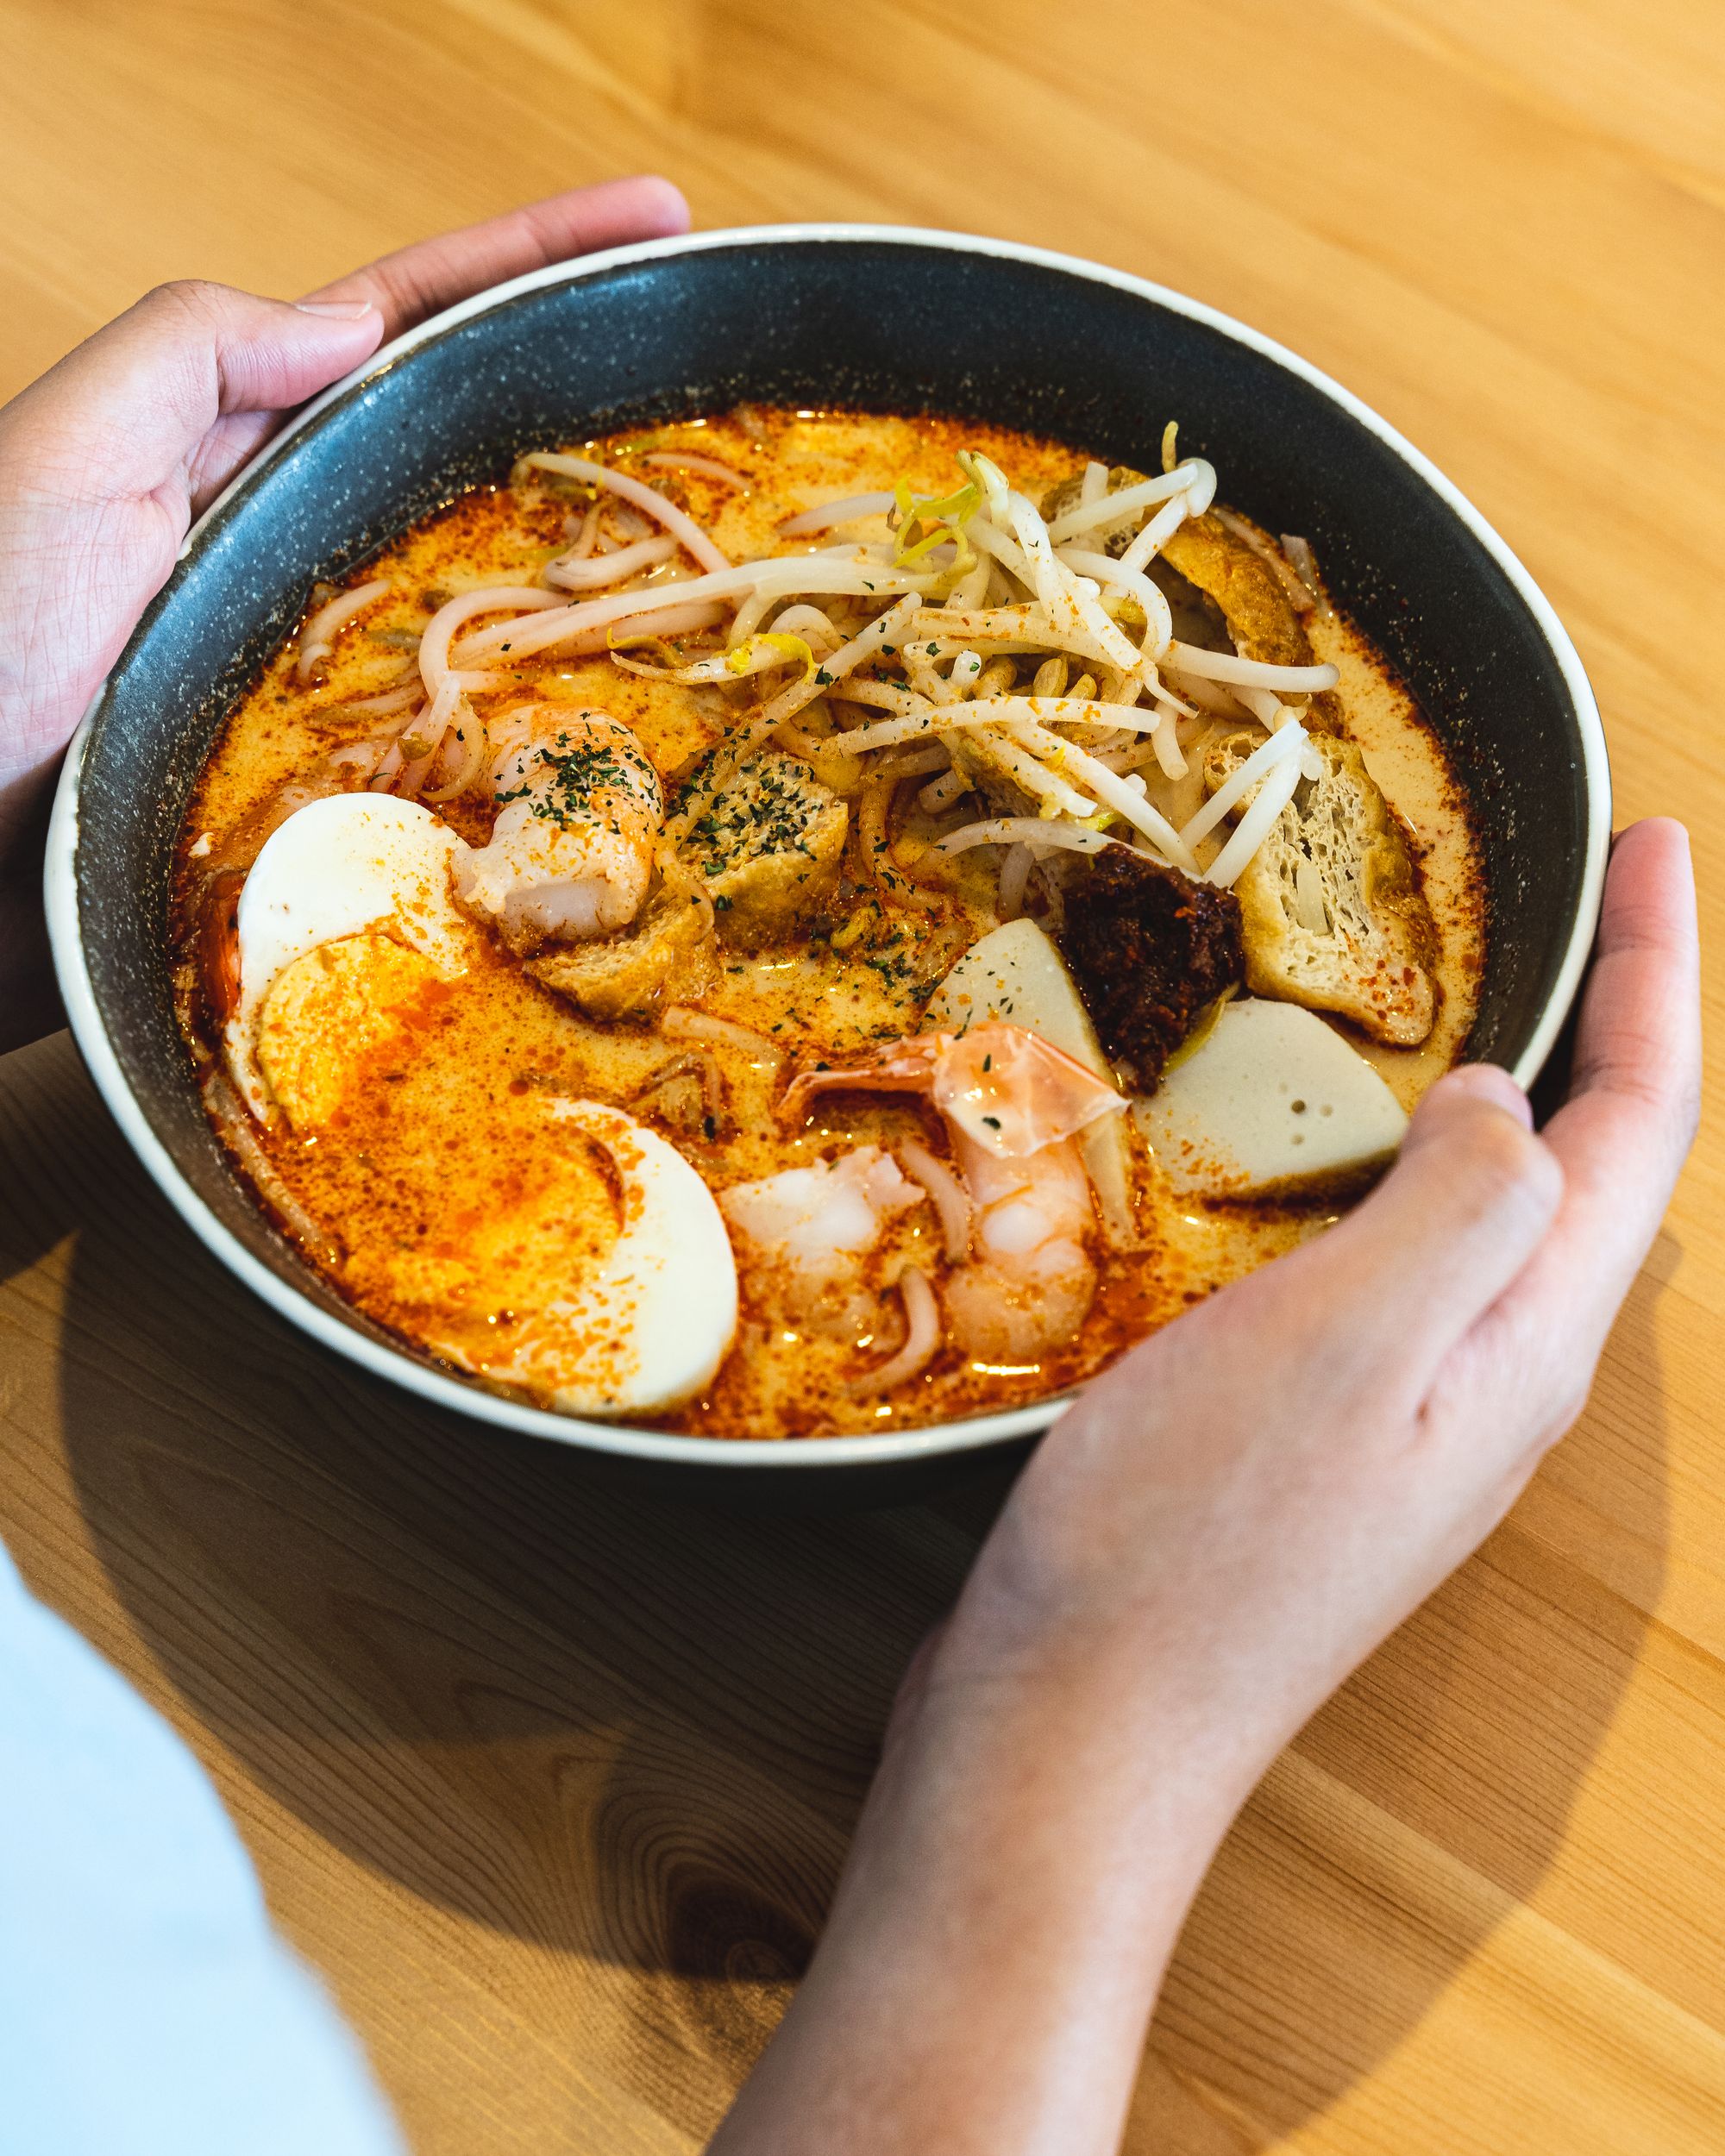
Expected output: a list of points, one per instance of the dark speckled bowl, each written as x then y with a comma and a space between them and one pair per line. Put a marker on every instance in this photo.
882, 319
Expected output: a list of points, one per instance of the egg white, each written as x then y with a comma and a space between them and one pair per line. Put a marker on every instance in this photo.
335, 867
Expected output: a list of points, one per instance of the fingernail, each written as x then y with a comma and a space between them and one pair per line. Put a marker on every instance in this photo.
338, 310
1488, 1081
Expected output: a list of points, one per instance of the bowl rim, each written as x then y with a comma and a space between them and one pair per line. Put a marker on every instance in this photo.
973, 1434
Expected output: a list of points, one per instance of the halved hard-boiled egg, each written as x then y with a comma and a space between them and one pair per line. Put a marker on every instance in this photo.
547, 1241
646, 1323
336, 869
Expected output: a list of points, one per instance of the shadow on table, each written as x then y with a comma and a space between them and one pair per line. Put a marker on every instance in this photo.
640, 1734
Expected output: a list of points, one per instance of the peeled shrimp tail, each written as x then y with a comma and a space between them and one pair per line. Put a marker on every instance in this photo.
1033, 1280
578, 821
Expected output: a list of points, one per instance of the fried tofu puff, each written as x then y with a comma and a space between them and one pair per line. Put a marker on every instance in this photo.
769, 850
1332, 913
666, 956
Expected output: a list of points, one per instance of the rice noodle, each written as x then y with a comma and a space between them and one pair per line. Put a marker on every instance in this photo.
825, 514
784, 574
681, 527
317, 638
468, 729
922, 1339
680, 1023
687, 460
947, 1194
1283, 746
392, 700
434, 643
384, 776
1094, 483
572, 575
1024, 831
1254, 827
678, 620
363, 756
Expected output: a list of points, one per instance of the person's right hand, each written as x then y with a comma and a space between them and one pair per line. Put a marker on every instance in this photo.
1256, 1495
1205, 1545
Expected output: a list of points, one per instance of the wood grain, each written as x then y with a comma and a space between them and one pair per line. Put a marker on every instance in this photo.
552, 1782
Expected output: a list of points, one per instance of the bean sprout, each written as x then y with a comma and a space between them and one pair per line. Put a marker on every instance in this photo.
1115, 509
1255, 826
1022, 830
825, 514
1014, 874
1257, 674
1284, 746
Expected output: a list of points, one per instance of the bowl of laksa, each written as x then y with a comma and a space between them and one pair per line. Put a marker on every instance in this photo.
762, 851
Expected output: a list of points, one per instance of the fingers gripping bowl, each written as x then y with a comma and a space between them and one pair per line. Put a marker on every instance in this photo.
567, 816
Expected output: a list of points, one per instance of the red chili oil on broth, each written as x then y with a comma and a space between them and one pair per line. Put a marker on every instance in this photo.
424, 1175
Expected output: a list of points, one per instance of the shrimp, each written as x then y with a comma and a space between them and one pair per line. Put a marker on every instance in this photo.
815, 1225
579, 819
1013, 1104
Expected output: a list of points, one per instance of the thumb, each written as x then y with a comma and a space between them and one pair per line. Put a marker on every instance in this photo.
126, 413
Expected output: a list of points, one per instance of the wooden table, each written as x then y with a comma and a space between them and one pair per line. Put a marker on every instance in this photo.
553, 1782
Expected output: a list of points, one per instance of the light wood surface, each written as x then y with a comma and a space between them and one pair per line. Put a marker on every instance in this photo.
552, 1782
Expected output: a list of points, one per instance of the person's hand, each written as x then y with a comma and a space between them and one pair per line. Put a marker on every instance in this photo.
1257, 1495
106, 459
1204, 1546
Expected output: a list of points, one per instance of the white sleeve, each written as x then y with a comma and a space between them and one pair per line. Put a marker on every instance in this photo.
147, 2008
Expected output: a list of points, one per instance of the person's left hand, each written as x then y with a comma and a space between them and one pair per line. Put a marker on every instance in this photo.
106, 459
